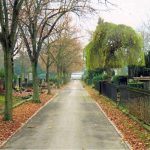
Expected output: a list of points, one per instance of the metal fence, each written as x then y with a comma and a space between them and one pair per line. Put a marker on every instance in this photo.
137, 101
109, 90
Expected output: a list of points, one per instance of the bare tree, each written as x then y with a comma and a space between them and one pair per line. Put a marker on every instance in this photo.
145, 31
40, 15
9, 15
64, 50
36, 16
69, 55
47, 60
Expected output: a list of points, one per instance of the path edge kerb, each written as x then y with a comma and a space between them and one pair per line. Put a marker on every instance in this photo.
112, 123
23, 124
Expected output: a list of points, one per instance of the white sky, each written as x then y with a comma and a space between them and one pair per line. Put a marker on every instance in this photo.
129, 12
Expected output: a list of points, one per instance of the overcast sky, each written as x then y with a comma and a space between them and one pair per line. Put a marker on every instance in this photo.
129, 12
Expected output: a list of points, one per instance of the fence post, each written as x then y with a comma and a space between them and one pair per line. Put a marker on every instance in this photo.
118, 96
99, 87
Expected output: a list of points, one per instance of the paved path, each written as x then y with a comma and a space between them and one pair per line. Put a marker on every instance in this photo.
71, 121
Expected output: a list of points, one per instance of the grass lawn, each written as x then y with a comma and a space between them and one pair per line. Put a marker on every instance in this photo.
15, 100
1, 99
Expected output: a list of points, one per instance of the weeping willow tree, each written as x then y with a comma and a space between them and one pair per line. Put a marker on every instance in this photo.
114, 46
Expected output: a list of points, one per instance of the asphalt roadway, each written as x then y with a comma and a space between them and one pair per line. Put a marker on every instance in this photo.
71, 121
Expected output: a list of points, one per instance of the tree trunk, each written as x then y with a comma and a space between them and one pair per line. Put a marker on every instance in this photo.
47, 73
36, 98
8, 84
49, 87
47, 79
58, 77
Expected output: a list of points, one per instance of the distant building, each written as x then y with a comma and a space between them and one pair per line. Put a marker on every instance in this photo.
76, 75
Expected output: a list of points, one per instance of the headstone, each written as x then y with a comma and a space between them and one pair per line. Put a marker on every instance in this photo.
30, 76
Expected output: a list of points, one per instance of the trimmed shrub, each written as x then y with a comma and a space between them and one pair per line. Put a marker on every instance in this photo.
139, 85
97, 79
100, 77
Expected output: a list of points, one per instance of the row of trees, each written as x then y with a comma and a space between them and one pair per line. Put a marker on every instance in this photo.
33, 22
114, 46
62, 52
